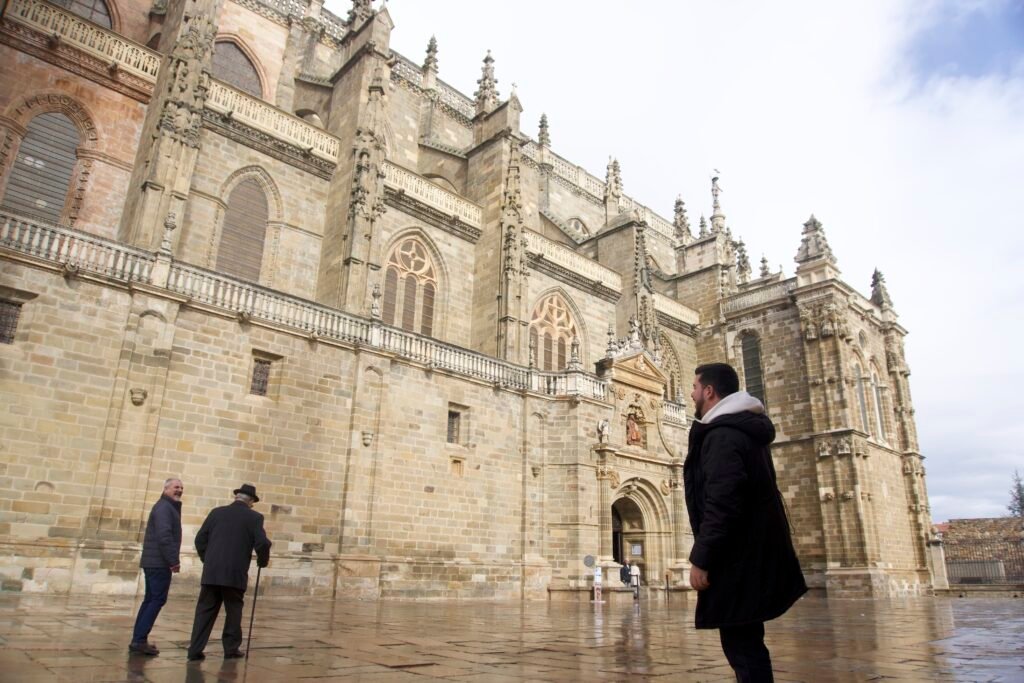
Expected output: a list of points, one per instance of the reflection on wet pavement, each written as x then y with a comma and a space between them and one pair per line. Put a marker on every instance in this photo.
85, 638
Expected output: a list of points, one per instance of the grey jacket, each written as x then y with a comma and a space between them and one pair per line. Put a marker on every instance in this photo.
162, 542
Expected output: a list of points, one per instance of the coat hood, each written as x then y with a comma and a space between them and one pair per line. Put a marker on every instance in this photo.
743, 412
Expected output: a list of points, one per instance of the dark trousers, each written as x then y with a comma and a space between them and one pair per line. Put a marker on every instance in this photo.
744, 648
207, 608
158, 584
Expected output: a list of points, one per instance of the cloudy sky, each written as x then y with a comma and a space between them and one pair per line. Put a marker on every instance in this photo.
900, 125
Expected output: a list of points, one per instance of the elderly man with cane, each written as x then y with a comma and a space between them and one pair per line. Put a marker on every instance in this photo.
225, 544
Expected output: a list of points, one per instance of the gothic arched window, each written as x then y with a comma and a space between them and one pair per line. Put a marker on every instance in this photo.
41, 175
752, 371
232, 66
245, 228
95, 11
552, 330
410, 287
879, 420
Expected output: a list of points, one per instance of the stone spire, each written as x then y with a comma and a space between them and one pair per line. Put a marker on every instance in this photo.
430, 63
360, 12
703, 226
717, 217
764, 266
742, 262
681, 222
879, 292
487, 91
544, 135
813, 244
515, 271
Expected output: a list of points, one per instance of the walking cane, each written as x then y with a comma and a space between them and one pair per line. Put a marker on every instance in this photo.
252, 616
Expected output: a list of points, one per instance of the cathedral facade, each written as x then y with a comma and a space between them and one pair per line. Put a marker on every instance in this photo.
246, 241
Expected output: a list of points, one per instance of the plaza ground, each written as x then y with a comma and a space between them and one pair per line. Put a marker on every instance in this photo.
85, 638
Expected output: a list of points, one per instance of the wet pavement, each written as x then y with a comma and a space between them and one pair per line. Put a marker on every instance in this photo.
79, 638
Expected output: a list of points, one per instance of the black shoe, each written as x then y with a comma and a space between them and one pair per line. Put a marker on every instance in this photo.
234, 654
143, 649
199, 656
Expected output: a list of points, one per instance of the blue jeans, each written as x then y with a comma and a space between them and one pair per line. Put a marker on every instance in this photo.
158, 583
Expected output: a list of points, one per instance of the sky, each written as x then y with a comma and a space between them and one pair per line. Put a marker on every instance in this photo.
899, 124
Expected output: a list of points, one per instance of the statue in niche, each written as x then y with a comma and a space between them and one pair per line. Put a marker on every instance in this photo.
602, 431
636, 426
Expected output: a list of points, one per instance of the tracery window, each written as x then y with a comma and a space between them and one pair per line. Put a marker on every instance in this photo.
41, 175
245, 229
232, 66
752, 371
552, 330
410, 287
670, 364
95, 11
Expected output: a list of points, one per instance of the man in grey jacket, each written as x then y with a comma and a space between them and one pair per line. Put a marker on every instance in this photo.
160, 548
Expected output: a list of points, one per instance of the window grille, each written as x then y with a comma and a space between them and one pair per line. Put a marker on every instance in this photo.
41, 174
245, 229
260, 377
9, 314
95, 11
454, 423
752, 371
232, 66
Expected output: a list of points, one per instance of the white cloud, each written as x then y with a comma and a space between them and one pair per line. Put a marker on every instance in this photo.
805, 107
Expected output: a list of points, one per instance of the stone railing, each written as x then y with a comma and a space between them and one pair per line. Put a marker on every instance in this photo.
78, 251
569, 383
268, 119
85, 36
757, 297
420, 188
573, 262
676, 310
674, 412
74, 250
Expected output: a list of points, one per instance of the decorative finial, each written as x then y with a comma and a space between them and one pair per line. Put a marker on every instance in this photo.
681, 222
613, 178
170, 224
879, 293
574, 354
487, 91
703, 226
430, 63
544, 135
764, 266
813, 244
533, 352
742, 262
360, 12
613, 344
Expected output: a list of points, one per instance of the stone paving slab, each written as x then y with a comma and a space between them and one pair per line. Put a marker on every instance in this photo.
85, 638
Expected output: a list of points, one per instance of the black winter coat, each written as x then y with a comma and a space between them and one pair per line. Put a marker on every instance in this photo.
162, 542
225, 544
741, 534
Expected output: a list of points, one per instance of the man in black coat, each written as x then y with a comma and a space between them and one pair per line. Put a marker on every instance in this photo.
742, 564
160, 559
225, 544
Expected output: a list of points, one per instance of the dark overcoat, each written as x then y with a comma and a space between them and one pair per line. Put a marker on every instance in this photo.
225, 544
162, 543
741, 533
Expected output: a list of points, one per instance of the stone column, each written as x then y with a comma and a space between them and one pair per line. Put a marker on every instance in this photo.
604, 477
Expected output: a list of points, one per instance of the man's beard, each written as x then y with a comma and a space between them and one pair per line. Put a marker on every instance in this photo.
698, 409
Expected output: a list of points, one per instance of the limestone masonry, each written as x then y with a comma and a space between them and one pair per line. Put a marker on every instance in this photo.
245, 241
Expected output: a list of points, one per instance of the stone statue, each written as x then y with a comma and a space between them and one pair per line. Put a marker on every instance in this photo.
602, 431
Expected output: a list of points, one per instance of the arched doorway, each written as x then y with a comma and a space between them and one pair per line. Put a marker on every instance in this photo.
629, 534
